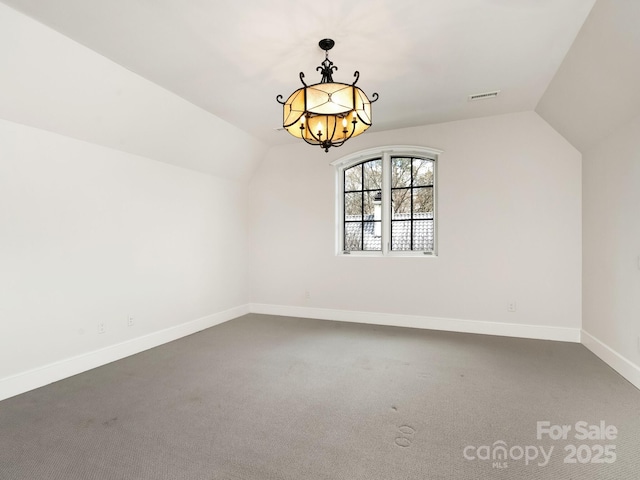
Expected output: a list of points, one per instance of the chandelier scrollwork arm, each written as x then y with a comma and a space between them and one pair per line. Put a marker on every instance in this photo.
327, 113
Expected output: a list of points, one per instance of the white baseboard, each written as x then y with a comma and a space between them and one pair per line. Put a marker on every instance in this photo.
620, 364
539, 332
38, 377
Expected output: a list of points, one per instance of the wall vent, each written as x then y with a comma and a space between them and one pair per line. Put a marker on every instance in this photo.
483, 96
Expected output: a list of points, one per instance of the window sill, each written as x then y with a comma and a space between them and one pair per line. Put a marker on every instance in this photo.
361, 254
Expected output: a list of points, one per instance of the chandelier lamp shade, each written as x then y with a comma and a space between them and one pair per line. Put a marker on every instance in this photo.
327, 113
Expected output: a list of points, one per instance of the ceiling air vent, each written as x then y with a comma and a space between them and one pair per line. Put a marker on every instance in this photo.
483, 96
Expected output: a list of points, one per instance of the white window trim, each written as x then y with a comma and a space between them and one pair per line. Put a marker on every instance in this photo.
385, 153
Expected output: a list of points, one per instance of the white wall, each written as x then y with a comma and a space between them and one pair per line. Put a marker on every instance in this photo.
509, 206
611, 249
89, 234
594, 101
93, 232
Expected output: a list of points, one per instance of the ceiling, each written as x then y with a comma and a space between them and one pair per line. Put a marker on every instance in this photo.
595, 91
423, 57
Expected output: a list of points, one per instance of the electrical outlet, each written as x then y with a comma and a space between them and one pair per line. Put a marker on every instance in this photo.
101, 327
511, 307
307, 295
130, 320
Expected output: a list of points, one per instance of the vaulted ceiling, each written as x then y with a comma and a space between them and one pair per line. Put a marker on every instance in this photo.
423, 57
596, 90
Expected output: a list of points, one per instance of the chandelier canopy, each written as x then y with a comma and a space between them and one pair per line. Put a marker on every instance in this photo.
327, 113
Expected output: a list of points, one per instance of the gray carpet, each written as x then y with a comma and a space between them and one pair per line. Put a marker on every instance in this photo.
266, 398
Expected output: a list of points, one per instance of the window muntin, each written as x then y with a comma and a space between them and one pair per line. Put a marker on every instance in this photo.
412, 216
387, 202
362, 206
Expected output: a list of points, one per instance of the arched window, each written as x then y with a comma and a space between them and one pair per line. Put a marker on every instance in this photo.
386, 202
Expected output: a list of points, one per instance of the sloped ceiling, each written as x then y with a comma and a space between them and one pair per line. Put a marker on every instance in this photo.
597, 87
424, 57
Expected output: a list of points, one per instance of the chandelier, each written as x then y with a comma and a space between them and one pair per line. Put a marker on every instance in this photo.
327, 113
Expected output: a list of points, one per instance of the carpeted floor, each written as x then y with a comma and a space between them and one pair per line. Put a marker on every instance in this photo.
266, 398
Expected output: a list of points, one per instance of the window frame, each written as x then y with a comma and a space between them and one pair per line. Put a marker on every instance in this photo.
384, 153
